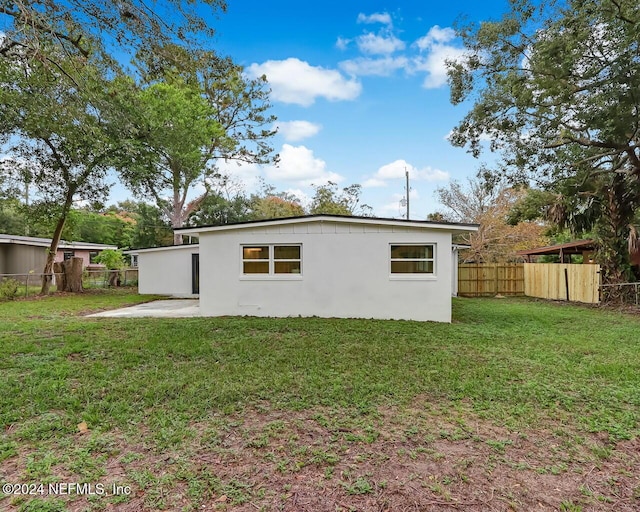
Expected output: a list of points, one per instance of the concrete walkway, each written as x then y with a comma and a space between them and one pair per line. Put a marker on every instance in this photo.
175, 308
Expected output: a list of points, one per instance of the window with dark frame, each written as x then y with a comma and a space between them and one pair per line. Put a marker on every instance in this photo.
271, 259
255, 259
413, 259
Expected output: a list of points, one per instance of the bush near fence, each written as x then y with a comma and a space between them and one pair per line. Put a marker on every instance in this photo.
30, 284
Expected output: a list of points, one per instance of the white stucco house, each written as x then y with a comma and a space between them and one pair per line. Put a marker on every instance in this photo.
316, 265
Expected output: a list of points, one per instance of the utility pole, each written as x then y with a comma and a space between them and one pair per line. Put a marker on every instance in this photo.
406, 173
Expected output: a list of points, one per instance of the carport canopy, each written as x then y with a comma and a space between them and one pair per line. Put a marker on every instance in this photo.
564, 251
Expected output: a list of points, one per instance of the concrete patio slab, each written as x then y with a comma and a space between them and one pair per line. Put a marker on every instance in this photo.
174, 308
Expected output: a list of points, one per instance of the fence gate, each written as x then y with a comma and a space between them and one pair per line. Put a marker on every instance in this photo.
489, 279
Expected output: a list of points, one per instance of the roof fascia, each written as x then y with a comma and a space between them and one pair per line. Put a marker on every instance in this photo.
327, 218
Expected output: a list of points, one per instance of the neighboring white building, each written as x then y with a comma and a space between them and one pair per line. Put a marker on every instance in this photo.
317, 265
169, 270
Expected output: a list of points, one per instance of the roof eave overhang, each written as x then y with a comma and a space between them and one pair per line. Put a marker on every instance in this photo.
453, 228
162, 248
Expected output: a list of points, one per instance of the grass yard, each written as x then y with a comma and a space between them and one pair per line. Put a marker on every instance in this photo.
517, 405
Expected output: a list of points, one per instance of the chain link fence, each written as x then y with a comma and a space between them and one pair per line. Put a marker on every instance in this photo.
625, 293
26, 285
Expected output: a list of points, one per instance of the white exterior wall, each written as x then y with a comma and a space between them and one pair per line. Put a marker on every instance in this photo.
166, 271
345, 273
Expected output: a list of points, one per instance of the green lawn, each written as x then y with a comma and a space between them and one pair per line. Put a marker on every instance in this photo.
150, 387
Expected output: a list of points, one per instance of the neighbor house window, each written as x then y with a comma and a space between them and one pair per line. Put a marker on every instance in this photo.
271, 259
413, 259
67, 255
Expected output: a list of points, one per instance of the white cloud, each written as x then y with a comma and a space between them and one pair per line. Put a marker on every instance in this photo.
363, 66
295, 81
396, 208
342, 43
376, 17
393, 208
245, 175
374, 183
303, 197
435, 65
298, 164
383, 53
396, 169
293, 131
436, 36
436, 52
375, 44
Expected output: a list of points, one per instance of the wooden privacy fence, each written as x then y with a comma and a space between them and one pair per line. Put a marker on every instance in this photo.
559, 281
488, 279
556, 281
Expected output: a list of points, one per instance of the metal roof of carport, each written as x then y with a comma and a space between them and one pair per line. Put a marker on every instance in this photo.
576, 247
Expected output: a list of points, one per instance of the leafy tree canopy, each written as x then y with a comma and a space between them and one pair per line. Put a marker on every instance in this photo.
490, 204
62, 139
175, 126
555, 89
556, 86
275, 206
112, 259
331, 200
217, 209
79, 27
12, 220
196, 109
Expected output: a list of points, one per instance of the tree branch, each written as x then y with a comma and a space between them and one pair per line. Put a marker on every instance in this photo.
38, 26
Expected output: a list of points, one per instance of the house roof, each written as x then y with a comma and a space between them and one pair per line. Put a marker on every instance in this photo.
576, 247
345, 219
46, 242
162, 248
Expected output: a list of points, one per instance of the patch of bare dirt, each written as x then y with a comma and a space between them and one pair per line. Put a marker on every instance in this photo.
397, 459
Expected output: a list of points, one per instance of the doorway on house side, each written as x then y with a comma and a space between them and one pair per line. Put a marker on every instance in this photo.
195, 274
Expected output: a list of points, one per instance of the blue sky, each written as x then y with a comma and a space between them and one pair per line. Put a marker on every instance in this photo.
359, 90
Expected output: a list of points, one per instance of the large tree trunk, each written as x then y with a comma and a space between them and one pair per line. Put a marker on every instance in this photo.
73, 275
114, 278
180, 213
613, 247
69, 275
176, 214
47, 273
61, 277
